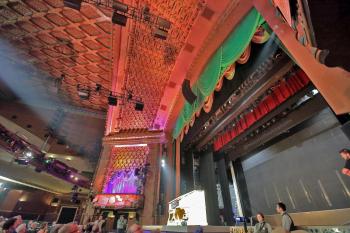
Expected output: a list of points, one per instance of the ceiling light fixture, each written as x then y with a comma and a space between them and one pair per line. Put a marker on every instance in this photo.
113, 97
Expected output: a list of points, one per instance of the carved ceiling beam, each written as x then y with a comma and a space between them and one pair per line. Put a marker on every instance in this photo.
333, 83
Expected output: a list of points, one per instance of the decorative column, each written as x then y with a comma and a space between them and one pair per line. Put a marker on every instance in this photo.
242, 188
208, 183
224, 184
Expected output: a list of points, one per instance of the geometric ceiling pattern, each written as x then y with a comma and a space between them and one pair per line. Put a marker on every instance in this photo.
62, 41
78, 44
150, 61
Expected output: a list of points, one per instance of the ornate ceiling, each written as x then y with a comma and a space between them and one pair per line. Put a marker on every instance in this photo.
150, 61
60, 40
78, 44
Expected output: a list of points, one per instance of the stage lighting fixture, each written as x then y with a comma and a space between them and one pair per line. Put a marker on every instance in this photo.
55, 202
83, 92
163, 23
22, 161
112, 100
28, 154
119, 6
74, 4
160, 33
119, 19
98, 87
139, 106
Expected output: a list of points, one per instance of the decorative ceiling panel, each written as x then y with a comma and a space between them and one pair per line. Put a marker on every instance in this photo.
62, 41
150, 60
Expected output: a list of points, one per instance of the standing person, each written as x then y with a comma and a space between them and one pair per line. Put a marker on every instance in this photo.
121, 224
287, 221
262, 226
345, 154
99, 225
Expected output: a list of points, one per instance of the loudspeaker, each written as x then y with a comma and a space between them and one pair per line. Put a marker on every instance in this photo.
119, 19
346, 129
187, 92
112, 100
139, 106
160, 33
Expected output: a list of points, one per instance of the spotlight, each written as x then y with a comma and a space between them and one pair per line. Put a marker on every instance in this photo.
76, 178
139, 106
29, 154
119, 19
71, 176
74, 4
163, 163
112, 100
160, 33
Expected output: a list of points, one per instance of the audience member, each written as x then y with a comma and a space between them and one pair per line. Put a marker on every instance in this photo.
262, 226
43, 228
22, 228
10, 225
55, 228
69, 228
121, 224
287, 221
135, 228
345, 154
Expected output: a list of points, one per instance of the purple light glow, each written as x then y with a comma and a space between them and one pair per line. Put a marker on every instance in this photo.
124, 181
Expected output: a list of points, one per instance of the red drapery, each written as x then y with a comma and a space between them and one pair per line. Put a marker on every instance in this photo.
280, 93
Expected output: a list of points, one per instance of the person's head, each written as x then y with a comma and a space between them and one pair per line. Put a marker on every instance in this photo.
32, 225
100, 218
22, 228
9, 224
56, 228
345, 154
18, 221
260, 217
281, 207
121, 217
44, 226
135, 228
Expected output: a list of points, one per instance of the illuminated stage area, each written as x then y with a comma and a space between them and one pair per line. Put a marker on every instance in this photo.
175, 116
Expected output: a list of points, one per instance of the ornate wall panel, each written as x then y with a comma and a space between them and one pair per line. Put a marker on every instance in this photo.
126, 172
